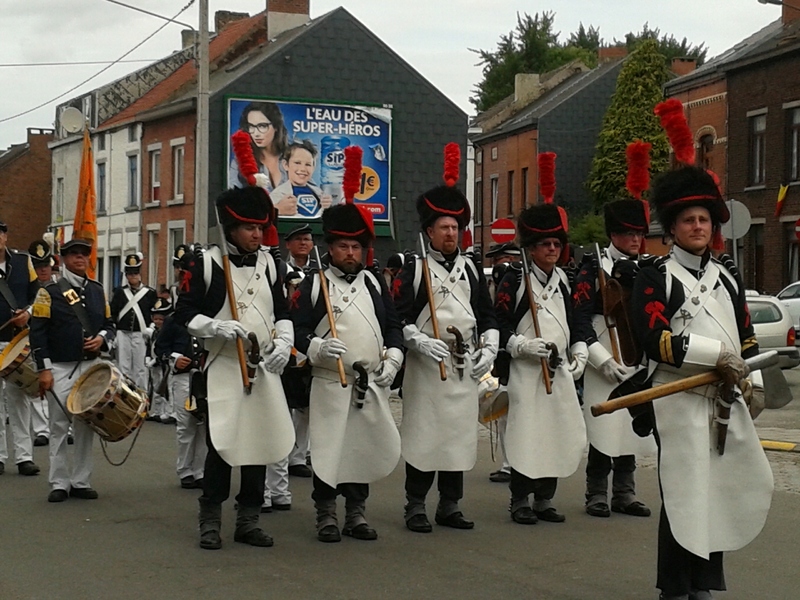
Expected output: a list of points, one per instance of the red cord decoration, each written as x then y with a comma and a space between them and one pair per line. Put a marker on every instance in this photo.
452, 163
244, 155
547, 176
351, 182
673, 120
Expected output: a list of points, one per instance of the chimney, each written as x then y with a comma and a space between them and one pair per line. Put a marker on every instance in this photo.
611, 53
791, 11
223, 18
526, 86
283, 15
682, 66
188, 38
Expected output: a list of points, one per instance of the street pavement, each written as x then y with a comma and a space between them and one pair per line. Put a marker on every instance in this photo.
139, 540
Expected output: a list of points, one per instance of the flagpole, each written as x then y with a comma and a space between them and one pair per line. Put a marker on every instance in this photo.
201, 145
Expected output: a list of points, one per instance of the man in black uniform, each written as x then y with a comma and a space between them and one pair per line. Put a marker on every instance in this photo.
131, 304
18, 287
71, 324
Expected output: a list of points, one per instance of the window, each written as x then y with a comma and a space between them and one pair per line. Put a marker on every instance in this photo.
60, 199
794, 144
155, 175
758, 143
131, 133
764, 312
100, 264
177, 171
479, 157
133, 181
706, 145
116, 271
494, 153
101, 187
524, 187
176, 238
510, 210
479, 201
494, 198
152, 263
101, 142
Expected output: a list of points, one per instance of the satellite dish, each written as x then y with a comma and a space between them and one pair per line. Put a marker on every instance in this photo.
72, 120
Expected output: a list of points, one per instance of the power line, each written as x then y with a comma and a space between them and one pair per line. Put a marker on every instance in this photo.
152, 14
100, 72
78, 62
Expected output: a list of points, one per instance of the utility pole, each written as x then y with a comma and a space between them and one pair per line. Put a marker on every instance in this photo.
201, 139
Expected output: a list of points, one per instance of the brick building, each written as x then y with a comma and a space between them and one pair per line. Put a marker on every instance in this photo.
562, 112
25, 188
764, 151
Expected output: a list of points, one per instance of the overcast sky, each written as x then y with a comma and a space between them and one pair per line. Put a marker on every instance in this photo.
434, 36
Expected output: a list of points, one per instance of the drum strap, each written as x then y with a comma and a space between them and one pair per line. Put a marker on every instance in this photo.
75, 302
5, 291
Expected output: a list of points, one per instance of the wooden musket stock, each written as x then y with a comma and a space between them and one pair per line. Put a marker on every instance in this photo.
526, 273
426, 275
323, 284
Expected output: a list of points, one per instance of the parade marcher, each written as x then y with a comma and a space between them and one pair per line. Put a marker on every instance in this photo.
162, 407
248, 430
71, 324
612, 442
545, 435
690, 315
500, 256
299, 244
131, 304
438, 431
181, 254
354, 439
182, 353
41, 253
18, 287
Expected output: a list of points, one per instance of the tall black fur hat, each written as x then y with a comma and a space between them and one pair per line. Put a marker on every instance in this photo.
622, 216
445, 200
245, 205
685, 187
346, 221
541, 221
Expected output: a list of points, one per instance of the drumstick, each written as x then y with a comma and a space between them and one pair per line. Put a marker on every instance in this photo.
7, 323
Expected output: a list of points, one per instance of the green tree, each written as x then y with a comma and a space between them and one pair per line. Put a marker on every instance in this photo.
668, 45
630, 117
588, 39
587, 230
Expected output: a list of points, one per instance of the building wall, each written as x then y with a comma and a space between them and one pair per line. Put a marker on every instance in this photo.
770, 242
171, 217
25, 186
339, 60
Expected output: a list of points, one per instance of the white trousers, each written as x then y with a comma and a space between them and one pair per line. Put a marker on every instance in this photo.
16, 406
131, 351
190, 433
302, 438
39, 418
276, 484
62, 476
501, 442
159, 405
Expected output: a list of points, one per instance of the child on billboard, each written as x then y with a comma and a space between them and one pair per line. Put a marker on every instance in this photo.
299, 196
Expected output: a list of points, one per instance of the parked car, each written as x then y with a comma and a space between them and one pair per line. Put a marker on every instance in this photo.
774, 328
790, 298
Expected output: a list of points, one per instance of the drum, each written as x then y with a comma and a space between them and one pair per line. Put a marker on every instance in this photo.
108, 401
17, 365
492, 400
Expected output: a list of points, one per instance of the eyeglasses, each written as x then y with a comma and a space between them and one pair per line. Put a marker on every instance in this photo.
548, 244
260, 127
82, 252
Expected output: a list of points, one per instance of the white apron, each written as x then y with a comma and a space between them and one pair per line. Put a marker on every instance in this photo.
714, 503
611, 434
439, 431
255, 428
350, 444
545, 434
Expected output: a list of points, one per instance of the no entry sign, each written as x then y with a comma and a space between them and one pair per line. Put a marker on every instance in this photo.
797, 228
503, 230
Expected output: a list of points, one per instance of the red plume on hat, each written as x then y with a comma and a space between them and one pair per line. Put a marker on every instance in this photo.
452, 163
673, 120
351, 183
547, 176
248, 167
638, 156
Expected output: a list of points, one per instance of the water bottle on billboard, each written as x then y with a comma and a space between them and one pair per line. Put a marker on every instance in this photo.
332, 165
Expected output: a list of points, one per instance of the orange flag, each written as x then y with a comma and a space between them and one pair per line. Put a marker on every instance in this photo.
85, 224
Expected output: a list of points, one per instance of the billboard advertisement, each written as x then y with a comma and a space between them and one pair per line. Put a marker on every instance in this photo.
300, 147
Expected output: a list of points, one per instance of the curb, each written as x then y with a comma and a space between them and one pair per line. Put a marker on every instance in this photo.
780, 446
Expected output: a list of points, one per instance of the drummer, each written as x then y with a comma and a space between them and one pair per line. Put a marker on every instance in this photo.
71, 324
18, 288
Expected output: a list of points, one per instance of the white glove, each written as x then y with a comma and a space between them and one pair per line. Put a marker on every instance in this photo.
228, 330
149, 331
277, 360
520, 346
391, 365
580, 354
424, 344
483, 358
325, 349
615, 372
150, 362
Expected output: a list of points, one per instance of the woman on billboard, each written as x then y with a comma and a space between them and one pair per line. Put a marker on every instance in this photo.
264, 122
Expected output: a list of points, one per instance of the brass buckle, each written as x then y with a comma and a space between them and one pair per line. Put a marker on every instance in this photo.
72, 297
